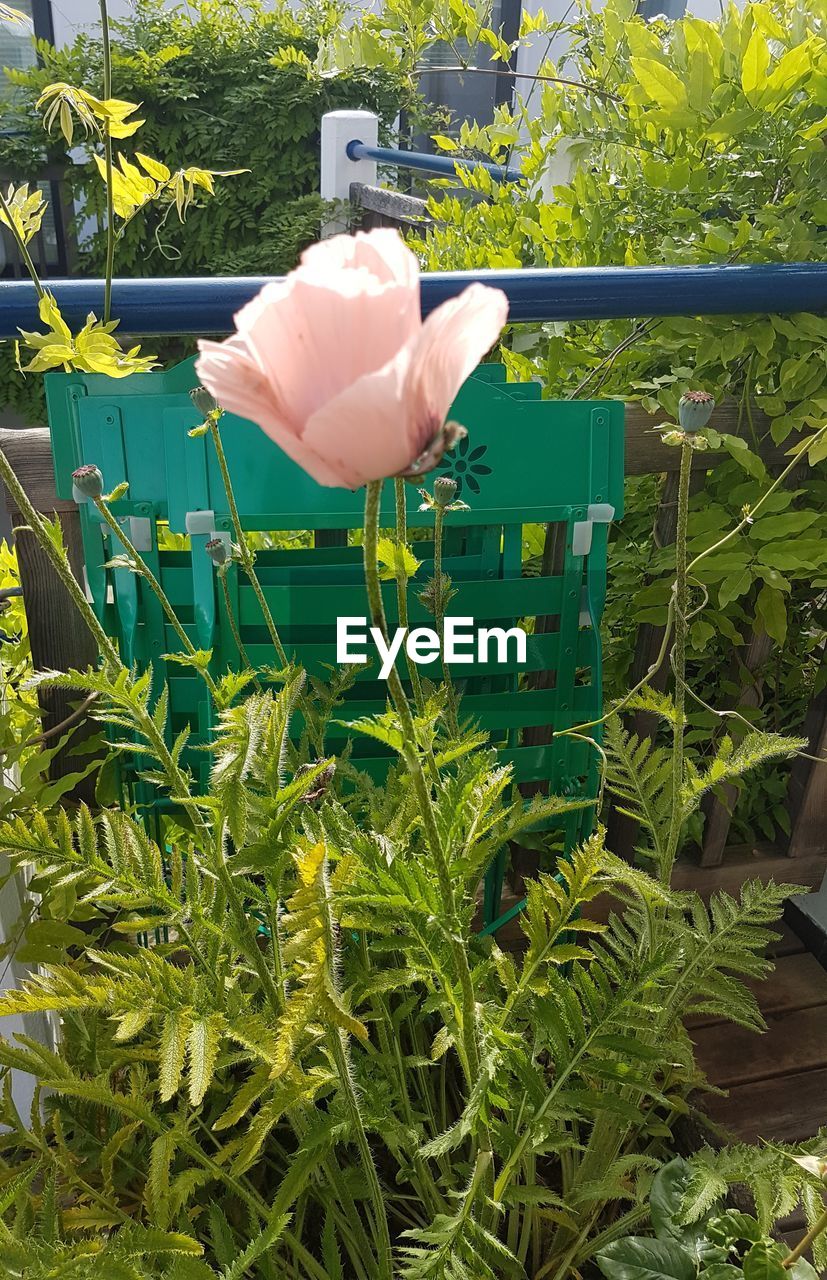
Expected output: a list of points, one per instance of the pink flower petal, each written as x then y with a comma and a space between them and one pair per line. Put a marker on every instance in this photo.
453, 340
312, 338
383, 252
228, 370
362, 433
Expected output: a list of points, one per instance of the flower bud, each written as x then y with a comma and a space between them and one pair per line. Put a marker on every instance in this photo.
216, 549
695, 410
445, 490
203, 401
87, 482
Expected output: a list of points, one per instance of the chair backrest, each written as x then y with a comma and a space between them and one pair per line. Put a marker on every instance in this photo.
525, 462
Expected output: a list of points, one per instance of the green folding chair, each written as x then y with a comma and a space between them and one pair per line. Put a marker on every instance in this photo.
525, 461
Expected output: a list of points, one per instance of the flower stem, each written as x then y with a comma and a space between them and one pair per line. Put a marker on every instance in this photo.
470, 1051
144, 570
107, 153
805, 1242
59, 562
439, 611
402, 585
236, 634
247, 557
681, 598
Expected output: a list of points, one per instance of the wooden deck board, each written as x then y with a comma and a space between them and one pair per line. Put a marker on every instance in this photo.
776, 1081
787, 944
794, 1042
797, 982
785, 1109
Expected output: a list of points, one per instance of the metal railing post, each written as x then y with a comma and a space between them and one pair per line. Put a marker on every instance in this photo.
338, 171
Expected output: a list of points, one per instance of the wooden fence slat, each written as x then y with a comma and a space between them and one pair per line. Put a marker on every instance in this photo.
807, 791
382, 208
58, 635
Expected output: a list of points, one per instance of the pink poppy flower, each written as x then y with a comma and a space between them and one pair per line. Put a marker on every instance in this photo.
335, 364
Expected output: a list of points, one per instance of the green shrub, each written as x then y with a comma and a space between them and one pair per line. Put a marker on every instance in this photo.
210, 96
693, 142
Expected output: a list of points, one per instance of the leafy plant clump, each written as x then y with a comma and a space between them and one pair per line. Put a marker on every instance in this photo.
211, 98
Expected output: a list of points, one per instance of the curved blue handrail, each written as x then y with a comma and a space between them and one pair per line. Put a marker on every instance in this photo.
203, 305
448, 165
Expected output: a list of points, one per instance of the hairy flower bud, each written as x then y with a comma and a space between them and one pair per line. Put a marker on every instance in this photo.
87, 482
216, 549
695, 410
203, 401
445, 490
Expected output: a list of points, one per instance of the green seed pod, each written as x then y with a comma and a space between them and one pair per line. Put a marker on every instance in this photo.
216, 549
203, 401
87, 482
445, 490
695, 410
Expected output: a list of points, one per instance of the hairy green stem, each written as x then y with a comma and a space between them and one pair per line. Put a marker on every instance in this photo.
107, 153
247, 557
681, 601
439, 613
469, 1047
402, 584
236, 634
146, 573
805, 1242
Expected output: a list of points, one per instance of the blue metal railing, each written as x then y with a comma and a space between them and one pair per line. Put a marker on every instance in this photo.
447, 165
207, 304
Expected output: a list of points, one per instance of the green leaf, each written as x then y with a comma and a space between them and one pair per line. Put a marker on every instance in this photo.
772, 611
740, 451
763, 1262
782, 525
661, 85
395, 559
638, 1258
755, 65
735, 585
666, 1199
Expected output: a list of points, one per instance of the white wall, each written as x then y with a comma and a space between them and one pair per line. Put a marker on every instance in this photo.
531, 56
72, 16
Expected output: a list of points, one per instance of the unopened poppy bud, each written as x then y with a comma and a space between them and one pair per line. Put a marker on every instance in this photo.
203, 401
216, 549
445, 490
695, 410
87, 482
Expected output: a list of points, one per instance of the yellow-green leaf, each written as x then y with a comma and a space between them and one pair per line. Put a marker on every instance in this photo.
660, 84
755, 66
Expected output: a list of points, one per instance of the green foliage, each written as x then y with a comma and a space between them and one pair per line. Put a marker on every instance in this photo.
285, 1048
697, 1235
262, 119
286, 924
703, 143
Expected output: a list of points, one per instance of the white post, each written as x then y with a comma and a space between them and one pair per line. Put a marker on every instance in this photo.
338, 171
